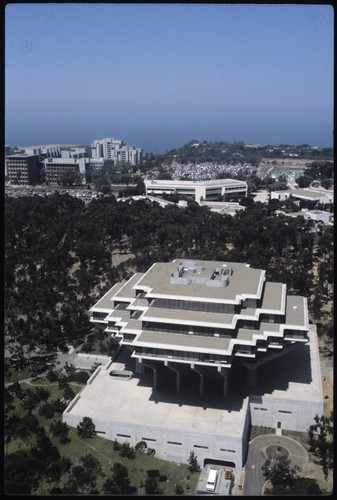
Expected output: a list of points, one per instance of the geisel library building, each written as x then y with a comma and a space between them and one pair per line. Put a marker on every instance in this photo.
213, 349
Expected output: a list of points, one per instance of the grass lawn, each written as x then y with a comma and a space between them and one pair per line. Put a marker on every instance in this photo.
102, 449
17, 375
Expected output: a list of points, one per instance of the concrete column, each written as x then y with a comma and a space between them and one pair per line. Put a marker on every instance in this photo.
224, 373
139, 366
154, 385
251, 376
177, 375
178, 381
201, 384
225, 382
201, 378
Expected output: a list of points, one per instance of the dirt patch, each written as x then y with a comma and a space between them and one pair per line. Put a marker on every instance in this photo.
314, 471
328, 391
117, 257
262, 196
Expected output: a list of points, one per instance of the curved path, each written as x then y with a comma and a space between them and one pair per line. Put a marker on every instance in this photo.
254, 478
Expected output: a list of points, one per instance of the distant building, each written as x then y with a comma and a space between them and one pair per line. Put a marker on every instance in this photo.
117, 151
280, 195
58, 151
319, 196
198, 190
55, 167
314, 215
22, 169
75, 152
51, 150
319, 216
224, 208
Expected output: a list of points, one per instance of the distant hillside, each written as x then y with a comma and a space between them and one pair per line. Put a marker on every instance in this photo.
222, 152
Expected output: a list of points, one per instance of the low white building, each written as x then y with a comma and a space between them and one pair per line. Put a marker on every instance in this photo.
280, 195
314, 215
317, 195
197, 190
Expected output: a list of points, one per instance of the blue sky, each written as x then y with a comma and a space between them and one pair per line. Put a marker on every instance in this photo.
159, 75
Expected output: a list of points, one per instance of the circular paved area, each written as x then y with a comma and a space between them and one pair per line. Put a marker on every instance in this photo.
257, 455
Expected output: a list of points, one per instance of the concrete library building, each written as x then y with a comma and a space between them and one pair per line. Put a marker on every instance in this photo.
207, 349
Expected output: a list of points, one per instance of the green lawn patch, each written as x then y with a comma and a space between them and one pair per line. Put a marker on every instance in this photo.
170, 473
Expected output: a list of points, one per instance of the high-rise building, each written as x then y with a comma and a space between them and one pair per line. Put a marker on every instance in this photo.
116, 151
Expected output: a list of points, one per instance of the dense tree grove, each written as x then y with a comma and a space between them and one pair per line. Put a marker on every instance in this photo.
59, 256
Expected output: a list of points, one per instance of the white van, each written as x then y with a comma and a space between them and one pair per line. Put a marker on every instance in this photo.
212, 479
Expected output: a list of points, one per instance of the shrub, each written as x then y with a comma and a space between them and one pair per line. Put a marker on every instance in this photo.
116, 445
127, 451
179, 490
141, 447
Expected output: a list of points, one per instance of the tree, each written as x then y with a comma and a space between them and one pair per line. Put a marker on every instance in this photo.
178, 490
45, 451
57, 469
119, 483
278, 470
86, 428
320, 439
21, 473
151, 483
127, 451
193, 462
70, 178
60, 430
303, 181
79, 481
83, 477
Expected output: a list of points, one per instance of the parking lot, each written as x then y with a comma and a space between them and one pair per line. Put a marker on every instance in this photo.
83, 194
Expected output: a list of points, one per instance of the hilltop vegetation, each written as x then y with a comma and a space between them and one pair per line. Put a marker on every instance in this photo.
222, 152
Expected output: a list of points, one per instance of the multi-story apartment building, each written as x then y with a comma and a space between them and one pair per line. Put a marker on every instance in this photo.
198, 190
117, 151
213, 347
22, 169
55, 167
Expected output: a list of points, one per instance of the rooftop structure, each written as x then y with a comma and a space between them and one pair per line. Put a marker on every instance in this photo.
198, 190
319, 195
54, 150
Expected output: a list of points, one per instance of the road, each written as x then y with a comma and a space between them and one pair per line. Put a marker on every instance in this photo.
254, 479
